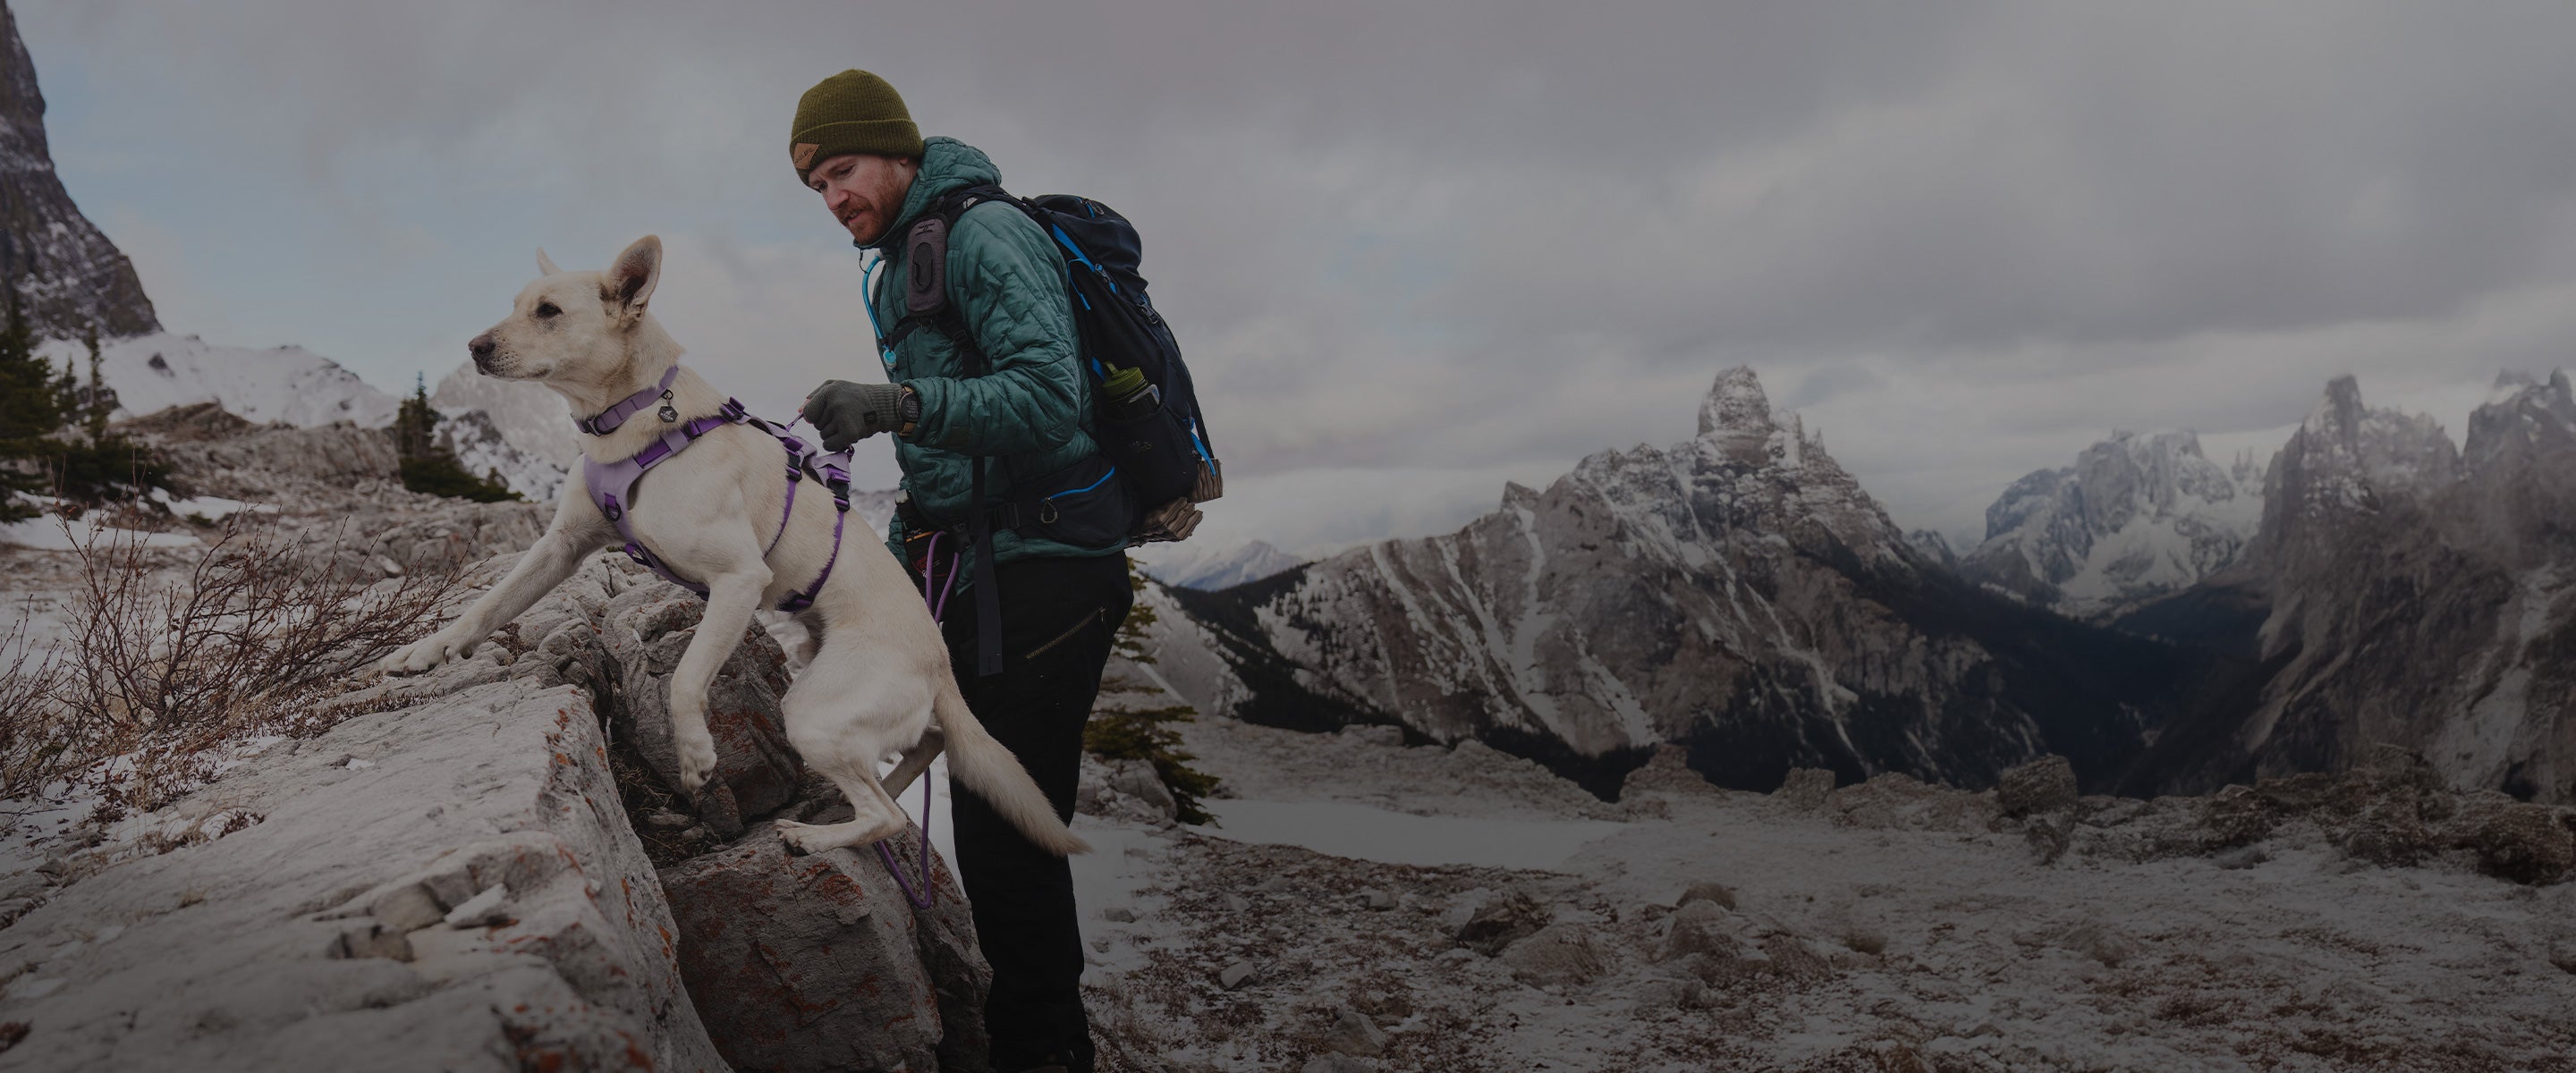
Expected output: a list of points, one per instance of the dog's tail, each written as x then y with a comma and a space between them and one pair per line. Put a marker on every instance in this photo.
988, 767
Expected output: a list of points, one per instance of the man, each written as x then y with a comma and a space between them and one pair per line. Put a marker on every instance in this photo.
1028, 413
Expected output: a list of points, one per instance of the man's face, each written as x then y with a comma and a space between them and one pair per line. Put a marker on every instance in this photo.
863, 190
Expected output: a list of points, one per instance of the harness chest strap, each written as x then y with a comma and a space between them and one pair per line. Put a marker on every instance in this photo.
612, 484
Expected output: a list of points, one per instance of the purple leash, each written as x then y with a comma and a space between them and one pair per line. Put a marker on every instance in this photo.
923, 898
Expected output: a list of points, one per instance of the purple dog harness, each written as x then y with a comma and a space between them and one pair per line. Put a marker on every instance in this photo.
612, 484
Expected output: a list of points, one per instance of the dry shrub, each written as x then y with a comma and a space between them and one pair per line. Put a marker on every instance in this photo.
162, 665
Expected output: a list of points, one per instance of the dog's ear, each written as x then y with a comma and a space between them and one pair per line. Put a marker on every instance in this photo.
545, 264
629, 281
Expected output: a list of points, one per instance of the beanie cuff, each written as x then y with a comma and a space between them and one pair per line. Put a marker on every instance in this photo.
882, 137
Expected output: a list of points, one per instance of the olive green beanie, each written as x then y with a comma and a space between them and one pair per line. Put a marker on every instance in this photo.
850, 112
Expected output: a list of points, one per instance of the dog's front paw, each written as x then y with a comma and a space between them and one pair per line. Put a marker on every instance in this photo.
428, 652
793, 834
697, 760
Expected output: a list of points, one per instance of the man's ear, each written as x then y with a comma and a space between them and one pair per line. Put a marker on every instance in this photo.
629, 281
545, 264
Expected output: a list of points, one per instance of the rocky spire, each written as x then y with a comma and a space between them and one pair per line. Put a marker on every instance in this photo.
68, 273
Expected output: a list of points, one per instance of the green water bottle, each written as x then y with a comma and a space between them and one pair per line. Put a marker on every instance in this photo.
1130, 397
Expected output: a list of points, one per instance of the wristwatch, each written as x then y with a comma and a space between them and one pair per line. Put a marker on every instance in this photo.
908, 410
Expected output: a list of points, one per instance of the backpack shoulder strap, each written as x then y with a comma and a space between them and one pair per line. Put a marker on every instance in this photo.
925, 279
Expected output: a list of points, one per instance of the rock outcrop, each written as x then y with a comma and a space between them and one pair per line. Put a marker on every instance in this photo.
67, 273
456, 879
799, 963
1737, 593
312, 938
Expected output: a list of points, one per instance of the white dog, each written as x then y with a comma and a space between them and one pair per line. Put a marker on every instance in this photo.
714, 514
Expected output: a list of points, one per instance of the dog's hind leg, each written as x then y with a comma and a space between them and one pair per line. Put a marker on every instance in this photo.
915, 761
878, 819
843, 715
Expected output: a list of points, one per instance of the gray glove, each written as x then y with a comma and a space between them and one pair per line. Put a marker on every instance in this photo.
846, 413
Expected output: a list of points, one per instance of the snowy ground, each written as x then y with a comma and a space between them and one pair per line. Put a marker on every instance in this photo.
1851, 944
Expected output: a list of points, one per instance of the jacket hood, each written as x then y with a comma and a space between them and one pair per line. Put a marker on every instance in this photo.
947, 166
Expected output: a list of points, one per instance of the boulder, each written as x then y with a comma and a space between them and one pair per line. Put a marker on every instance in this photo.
1127, 790
2234, 816
1353, 1033
1667, 771
821, 963
310, 939
1503, 919
2043, 785
1558, 954
645, 629
2514, 840
2387, 832
1793, 960
1701, 928
1805, 788
1896, 801
1704, 891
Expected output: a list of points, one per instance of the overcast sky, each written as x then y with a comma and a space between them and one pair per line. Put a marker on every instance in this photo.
1415, 250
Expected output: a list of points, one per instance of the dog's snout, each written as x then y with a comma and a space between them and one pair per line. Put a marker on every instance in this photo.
481, 347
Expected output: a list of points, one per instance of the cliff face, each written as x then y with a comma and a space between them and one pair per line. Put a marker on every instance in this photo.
2418, 596
68, 274
1738, 593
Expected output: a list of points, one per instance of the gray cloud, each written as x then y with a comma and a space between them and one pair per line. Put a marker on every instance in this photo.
1418, 247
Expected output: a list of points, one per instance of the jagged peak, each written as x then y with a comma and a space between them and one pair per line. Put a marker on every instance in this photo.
2340, 410
2514, 386
2524, 409
1736, 404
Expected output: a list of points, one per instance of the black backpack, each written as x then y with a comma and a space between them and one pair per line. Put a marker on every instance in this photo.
1147, 415
1154, 439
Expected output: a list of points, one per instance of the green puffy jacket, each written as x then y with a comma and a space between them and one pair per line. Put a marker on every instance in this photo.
1033, 402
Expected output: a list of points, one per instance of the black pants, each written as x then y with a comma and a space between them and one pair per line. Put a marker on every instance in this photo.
1059, 617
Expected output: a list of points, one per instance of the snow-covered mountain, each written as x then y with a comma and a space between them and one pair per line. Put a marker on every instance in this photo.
70, 277
153, 372
2417, 595
518, 428
2136, 517
1738, 593
1186, 565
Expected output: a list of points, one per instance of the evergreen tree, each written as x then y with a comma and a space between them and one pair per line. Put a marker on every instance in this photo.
427, 467
1147, 733
31, 411
101, 400
91, 464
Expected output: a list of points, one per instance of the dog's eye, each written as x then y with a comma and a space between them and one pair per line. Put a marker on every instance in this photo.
546, 309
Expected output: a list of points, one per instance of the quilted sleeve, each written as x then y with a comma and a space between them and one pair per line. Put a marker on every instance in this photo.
1007, 280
